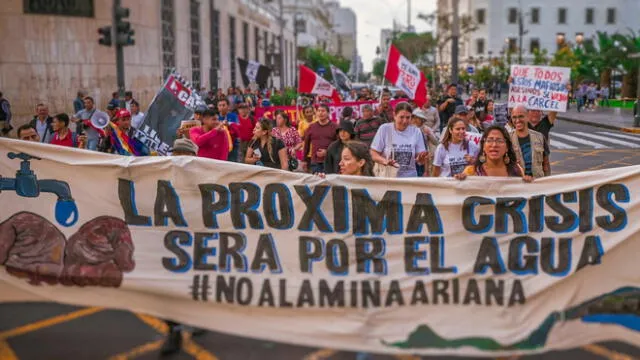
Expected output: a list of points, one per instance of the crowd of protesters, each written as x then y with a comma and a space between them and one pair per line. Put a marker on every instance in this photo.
404, 140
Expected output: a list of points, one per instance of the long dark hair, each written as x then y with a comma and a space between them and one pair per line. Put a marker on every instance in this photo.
360, 151
512, 166
265, 124
448, 135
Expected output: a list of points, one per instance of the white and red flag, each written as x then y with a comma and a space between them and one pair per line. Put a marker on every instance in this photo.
311, 83
405, 75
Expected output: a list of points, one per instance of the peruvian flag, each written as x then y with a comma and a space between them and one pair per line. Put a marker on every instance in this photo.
406, 76
311, 83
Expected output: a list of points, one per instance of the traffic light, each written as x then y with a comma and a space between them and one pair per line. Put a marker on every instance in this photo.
105, 36
124, 33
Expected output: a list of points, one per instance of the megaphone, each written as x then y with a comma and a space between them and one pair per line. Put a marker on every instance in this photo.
100, 120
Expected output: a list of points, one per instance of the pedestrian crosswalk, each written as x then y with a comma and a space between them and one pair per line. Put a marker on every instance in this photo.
573, 140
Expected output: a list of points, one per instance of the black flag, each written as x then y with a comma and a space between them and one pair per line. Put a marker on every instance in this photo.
254, 72
340, 79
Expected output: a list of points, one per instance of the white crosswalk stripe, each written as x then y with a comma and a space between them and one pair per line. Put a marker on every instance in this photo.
607, 139
578, 140
560, 145
622, 136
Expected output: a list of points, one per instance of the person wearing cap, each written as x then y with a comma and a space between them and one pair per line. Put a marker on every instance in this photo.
122, 119
184, 147
212, 138
418, 120
112, 110
334, 151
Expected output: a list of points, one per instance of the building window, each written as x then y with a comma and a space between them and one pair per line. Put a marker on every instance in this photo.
265, 44
168, 37
215, 47
232, 49
562, 15
245, 40
611, 16
512, 44
195, 42
513, 16
535, 15
480, 46
256, 44
480, 16
589, 15
534, 45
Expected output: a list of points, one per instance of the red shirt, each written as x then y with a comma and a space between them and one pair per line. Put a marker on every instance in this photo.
245, 128
66, 141
213, 144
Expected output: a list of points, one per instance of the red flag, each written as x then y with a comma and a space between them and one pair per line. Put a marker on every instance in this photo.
405, 75
311, 83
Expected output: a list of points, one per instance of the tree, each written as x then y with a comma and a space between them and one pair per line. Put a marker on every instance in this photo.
315, 58
414, 46
482, 76
378, 68
540, 57
445, 28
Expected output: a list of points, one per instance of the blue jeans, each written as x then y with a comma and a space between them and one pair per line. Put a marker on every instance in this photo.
233, 155
317, 168
92, 144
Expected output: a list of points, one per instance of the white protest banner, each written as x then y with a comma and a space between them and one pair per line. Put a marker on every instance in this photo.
539, 87
481, 267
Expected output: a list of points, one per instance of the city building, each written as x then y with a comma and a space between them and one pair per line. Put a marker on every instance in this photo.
311, 20
52, 51
545, 24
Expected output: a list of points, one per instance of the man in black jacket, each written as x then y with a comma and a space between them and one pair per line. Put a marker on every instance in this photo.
42, 123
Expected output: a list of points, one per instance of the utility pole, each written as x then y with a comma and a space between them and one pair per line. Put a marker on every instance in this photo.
119, 34
455, 36
521, 33
281, 45
408, 14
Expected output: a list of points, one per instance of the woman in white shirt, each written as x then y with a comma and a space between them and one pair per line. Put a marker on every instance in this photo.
455, 152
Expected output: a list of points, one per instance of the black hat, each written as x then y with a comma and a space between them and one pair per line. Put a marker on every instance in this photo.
461, 109
347, 126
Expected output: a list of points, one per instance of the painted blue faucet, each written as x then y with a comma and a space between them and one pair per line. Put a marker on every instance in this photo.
26, 184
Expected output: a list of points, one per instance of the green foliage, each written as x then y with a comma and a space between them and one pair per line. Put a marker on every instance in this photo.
285, 98
316, 57
415, 46
540, 57
378, 68
566, 57
482, 76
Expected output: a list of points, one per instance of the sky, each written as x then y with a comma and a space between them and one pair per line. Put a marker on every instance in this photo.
374, 15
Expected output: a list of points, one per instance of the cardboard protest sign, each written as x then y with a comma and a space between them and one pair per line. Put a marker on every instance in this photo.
428, 266
539, 87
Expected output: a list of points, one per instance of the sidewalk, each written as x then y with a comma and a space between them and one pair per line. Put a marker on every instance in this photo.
608, 118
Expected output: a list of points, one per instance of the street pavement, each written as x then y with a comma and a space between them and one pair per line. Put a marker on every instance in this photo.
54, 331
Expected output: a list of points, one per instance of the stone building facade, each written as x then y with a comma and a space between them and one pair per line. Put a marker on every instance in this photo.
50, 49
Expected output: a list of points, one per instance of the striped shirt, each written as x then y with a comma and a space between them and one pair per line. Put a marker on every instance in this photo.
365, 130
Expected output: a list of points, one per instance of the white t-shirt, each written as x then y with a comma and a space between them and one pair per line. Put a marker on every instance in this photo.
451, 161
407, 145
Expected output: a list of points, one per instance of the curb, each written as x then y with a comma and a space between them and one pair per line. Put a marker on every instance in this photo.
604, 126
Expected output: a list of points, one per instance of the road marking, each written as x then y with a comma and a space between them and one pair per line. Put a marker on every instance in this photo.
320, 354
580, 141
139, 351
6, 352
157, 324
195, 350
622, 136
604, 138
604, 352
561, 145
48, 322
